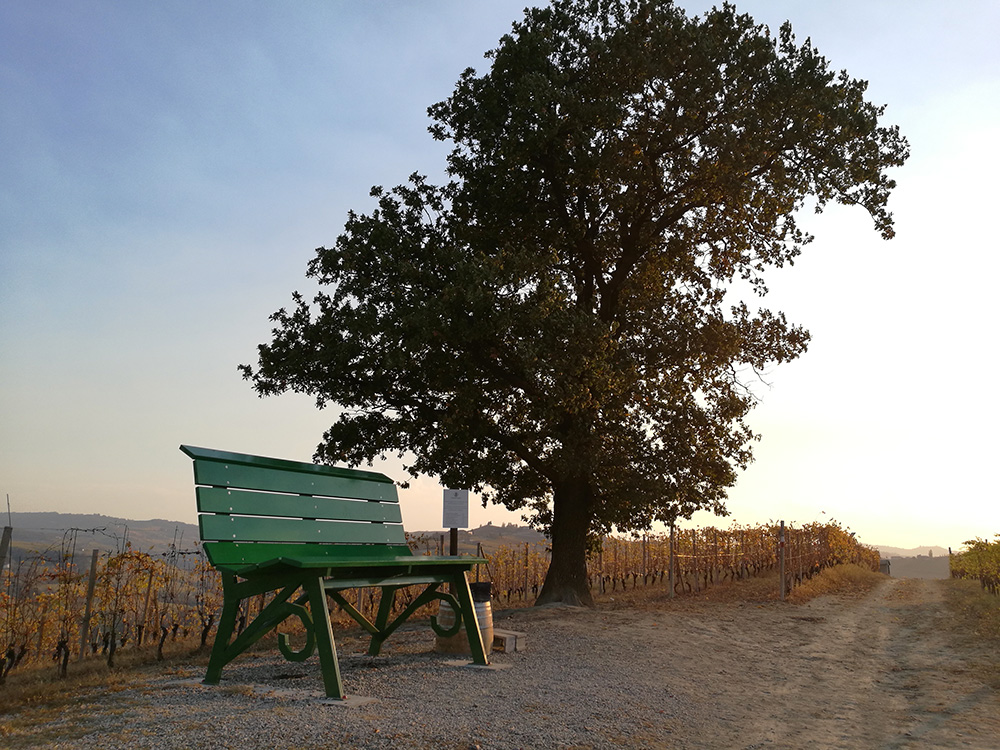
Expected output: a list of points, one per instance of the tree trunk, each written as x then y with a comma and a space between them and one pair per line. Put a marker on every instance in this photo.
572, 512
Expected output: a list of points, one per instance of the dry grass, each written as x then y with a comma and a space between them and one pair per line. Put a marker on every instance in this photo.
975, 611
40, 708
761, 589
842, 580
975, 621
36, 685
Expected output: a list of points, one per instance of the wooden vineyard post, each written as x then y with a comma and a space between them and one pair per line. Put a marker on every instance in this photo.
644, 554
694, 559
743, 555
525, 572
91, 584
781, 562
672, 560
803, 546
600, 562
613, 563
5, 544
791, 558
41, 625
716, 565
145, 610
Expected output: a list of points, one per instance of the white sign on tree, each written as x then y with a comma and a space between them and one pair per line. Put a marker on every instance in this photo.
456, 509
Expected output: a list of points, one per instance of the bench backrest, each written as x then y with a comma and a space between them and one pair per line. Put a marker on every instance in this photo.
252, 509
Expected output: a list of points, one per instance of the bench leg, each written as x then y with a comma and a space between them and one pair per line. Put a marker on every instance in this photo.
276, 611
227, 624
323, 630
464, 596
386, 601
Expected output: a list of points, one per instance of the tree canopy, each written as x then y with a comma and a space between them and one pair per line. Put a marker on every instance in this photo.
552, 326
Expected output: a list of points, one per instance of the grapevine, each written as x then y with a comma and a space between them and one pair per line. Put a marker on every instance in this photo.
143, 598
980, 561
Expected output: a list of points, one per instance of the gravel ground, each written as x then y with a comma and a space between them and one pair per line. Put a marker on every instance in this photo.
560, 692
866, 673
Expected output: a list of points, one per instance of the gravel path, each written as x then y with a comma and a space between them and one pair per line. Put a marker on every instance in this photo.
875, 672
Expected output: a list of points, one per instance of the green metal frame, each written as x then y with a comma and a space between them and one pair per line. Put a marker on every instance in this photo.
305, 573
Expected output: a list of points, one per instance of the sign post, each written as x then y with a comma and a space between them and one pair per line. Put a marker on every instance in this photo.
456, 515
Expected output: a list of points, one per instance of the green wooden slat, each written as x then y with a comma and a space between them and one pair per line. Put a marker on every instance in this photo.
282, 464
240, 554
279, 480
254, 529
251, 503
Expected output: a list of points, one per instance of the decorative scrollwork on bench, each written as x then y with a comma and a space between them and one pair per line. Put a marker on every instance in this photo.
453, 603
307, 650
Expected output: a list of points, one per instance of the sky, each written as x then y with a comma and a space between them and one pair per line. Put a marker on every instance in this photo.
167, 170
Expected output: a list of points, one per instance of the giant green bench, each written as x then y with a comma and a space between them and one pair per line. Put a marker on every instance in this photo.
306, 533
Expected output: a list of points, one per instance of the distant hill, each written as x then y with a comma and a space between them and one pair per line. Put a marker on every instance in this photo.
41, 532
887, 551
51, 533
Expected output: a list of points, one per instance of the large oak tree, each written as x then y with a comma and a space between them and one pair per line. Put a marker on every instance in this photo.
552, 326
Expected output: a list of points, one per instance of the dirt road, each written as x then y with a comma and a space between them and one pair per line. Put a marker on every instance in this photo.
883, 671
887, 673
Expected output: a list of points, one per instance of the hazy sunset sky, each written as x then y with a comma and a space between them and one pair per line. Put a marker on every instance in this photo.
167, 170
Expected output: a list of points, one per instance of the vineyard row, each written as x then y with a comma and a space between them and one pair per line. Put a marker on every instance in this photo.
53, 607
980, 561
690, 560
